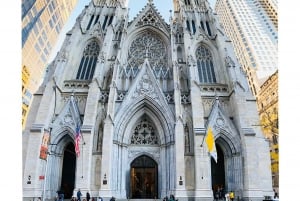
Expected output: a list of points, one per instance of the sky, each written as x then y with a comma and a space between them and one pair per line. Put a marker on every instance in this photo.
163, 6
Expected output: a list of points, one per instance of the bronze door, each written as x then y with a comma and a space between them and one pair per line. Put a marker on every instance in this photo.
143, 176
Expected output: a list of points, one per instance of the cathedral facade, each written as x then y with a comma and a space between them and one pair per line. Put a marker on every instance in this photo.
143, 93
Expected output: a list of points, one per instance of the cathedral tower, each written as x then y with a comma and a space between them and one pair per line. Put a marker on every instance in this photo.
143, 93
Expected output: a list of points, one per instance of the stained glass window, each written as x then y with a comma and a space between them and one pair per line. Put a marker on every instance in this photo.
88, 61
205, 65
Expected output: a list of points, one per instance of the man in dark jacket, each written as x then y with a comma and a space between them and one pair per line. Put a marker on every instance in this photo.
79, 195
88, 197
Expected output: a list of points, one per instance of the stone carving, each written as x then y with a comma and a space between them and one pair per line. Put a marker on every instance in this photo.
152, 47
169, 97
145, 87
121, 96
150, 18
185, 98
191, 61
101, 57
229, 62
144, 134
68, 118
104, 96
133, 153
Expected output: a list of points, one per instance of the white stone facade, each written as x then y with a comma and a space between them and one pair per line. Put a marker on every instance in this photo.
143, 93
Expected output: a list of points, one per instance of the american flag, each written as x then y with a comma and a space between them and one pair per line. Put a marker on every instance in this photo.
77, 140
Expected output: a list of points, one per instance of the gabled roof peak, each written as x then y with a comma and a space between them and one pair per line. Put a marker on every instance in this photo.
148, 6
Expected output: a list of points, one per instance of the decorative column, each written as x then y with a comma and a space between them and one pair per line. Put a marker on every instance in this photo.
180, 190
107, 189
203, 189
84, 161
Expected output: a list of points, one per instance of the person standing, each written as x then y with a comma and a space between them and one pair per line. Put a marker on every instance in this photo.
275, 194
79, 195
227, 197
231, 195
88, 197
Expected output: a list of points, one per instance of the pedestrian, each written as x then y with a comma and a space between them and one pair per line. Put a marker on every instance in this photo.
88, 197
275, 194
227, 196
231, 195
172, 198
60, 195
99, 199
79, 195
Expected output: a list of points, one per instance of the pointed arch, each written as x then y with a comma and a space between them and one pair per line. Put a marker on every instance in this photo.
127, 119
88, 61
62, 143
62, 134
205, 65
228, 140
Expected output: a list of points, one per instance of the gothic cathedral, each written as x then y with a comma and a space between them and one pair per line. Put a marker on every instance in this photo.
141, 95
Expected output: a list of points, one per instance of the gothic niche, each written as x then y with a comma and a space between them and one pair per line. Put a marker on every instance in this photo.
144, 133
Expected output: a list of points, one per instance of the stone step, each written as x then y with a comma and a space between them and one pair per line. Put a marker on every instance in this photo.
128, 199
146, 199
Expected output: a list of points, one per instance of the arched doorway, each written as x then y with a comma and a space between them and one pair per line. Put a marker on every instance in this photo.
218, 174
68, 171
143, 178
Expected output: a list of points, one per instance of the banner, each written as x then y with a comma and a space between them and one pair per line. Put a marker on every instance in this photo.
44, 145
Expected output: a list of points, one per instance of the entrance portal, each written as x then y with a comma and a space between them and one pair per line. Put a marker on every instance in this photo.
68, 171
218, 174
143, 178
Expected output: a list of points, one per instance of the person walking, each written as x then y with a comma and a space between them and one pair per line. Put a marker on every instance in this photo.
88, 197
79, 195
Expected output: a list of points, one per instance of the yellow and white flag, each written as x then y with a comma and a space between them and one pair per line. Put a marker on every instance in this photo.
210, 142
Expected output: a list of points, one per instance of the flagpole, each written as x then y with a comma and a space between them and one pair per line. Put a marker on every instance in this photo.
44, 190
204, 136
203, 139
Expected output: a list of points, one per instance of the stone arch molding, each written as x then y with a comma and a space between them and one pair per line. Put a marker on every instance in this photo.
136, 154
144, 97
224, 131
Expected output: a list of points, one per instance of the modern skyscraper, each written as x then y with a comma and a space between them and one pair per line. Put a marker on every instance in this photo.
270, 7
42, 22
249, 26
142, 94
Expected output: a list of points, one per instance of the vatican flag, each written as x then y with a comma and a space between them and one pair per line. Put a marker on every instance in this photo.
210, 142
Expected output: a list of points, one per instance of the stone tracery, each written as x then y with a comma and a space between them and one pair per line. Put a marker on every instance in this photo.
144, 134
148, 46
